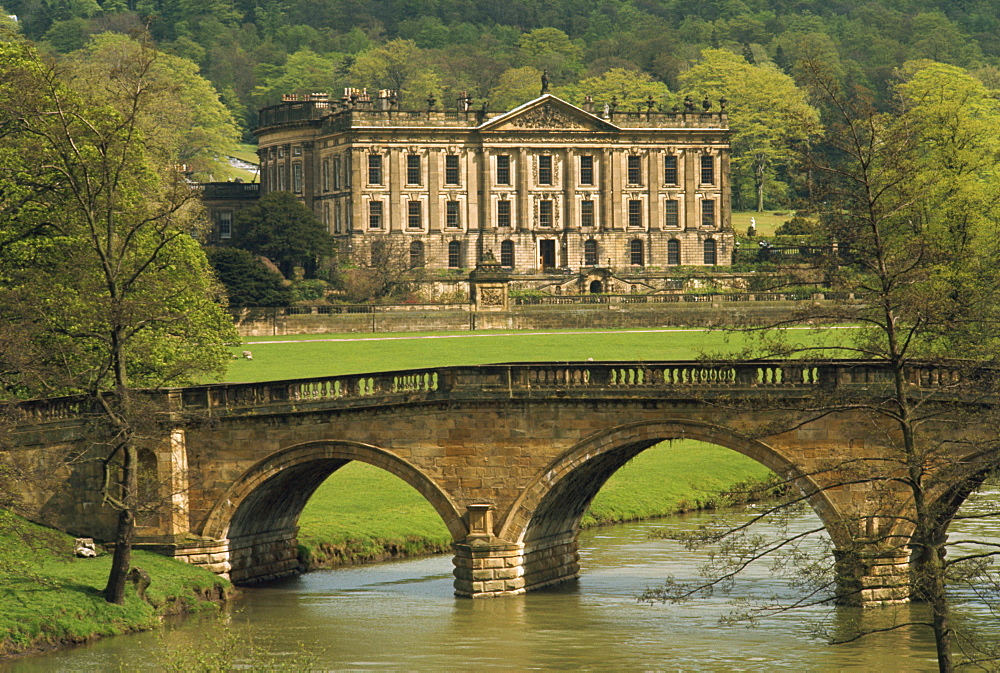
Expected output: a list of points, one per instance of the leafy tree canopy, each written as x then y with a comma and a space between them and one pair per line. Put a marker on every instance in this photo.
280, 228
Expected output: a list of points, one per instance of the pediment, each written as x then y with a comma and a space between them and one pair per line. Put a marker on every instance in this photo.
548, 113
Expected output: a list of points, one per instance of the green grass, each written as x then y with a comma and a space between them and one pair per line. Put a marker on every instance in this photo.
340, 523
49, 597
340, 354
767, 222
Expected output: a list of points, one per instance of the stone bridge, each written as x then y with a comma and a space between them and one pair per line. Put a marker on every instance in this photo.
509, 455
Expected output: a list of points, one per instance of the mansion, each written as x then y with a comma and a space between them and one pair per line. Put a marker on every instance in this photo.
548, 187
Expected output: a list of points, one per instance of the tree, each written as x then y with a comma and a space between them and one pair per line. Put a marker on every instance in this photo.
516, 87
923, 256
248, 282
184, 116
378, 271
103, 276
628, 89
768, 114
280, 228
395, 65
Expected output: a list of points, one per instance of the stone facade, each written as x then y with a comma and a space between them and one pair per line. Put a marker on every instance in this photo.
222, 200
547, 187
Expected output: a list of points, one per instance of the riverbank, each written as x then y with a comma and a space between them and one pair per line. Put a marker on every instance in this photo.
49, 598
341, 526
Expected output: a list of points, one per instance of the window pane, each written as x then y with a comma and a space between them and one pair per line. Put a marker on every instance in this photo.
503, 169
635, 252
413, 169
673, 252
455, 255
451, 214
416, 254
634, 170
545, 170
503, 213
225, 224
545, 213
670, 170
707, 170
374, 214
708, 213
672, 219
710, 252
414, 219
375, 169
586, 170
587, 213
590, 253
635, 213
451, 169
507, 253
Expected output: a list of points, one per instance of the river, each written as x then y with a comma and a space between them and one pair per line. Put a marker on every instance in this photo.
402, 616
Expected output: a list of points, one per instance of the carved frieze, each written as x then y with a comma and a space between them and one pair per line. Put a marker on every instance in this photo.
491, 296
544, 118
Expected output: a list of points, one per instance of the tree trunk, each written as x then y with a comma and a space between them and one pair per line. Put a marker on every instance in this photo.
114, 592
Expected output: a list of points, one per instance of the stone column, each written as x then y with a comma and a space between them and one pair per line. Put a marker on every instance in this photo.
871, 577
485, 565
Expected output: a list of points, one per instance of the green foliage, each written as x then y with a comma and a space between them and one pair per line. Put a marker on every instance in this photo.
280, 228
769, 114
247, 280
629, 89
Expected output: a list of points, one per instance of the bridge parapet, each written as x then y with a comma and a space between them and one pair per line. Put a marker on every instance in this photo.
518, 379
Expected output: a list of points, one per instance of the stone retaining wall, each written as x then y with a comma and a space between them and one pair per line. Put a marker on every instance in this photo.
273, 323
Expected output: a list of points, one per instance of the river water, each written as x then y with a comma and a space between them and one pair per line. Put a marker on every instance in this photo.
402, 616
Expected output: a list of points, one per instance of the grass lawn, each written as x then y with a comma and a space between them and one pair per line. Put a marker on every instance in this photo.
767, 222
340, 523
49, 597
338, 354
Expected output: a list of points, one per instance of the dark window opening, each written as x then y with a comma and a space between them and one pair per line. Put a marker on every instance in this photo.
451, 214
503, 169
673, 252
455, 255
587, 213
634, 170
451, 169
507, 254
670, 170
545, 211
545, 170
590, 253
710, 252
586, 170
413, 169
414, 215
635, 213
635, 250
503, 213
375, 169
707, 170
671, 219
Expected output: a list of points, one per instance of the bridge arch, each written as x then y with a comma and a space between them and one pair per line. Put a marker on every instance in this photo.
546, 517
258, 513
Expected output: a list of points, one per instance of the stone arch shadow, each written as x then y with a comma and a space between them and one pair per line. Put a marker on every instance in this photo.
546, 517
258, 514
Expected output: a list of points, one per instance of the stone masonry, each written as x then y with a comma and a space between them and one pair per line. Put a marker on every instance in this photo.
510, 456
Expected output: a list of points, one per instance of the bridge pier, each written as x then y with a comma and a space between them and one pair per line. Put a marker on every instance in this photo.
869, 578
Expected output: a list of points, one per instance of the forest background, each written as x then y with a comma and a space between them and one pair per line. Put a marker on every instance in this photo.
254, 51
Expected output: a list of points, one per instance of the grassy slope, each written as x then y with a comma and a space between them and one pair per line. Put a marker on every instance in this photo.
48, 597
340, 522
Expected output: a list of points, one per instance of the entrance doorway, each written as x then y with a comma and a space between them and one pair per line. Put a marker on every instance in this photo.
596, 287
547, 254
